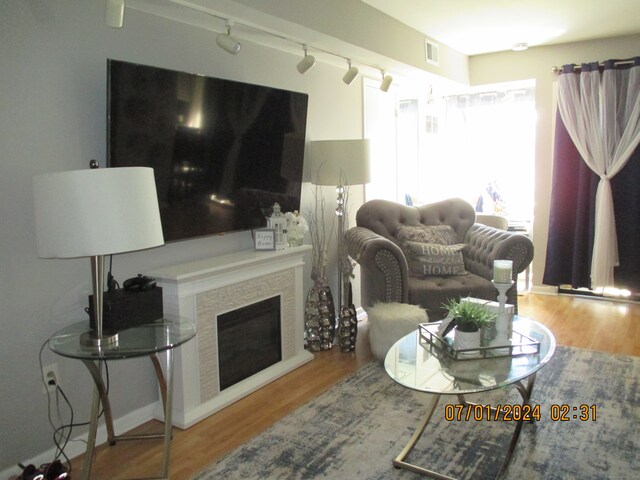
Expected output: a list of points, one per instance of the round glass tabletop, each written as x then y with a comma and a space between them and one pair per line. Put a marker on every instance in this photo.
416, 364
132, 342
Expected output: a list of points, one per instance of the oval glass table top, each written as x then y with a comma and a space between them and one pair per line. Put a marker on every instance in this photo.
137, 341
416, 364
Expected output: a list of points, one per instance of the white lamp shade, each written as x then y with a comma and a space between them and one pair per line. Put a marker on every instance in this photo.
82, 213
340, 162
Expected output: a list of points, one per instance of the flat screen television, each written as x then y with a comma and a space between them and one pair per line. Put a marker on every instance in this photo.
223, 152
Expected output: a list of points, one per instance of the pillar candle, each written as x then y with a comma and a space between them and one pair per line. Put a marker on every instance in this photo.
502, 271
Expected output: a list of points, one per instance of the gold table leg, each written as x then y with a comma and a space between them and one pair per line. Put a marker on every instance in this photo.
399, 461
100, 396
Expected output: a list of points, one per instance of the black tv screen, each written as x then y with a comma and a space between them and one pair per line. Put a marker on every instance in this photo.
223, 152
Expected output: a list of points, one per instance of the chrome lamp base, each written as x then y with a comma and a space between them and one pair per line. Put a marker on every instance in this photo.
92, 339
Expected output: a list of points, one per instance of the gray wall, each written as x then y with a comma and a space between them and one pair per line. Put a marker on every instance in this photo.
52, 98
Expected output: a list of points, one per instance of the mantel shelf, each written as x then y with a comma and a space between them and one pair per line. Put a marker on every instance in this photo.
220, 264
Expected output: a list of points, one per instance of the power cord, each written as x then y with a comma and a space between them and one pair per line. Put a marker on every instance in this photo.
62, 433
112, 284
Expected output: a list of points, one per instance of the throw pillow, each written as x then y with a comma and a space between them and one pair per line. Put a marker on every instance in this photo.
433, 259
439, 234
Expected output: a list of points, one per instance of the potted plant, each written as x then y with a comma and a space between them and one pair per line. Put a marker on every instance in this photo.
468, 318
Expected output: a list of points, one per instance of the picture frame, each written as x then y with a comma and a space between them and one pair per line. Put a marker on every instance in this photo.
264, 239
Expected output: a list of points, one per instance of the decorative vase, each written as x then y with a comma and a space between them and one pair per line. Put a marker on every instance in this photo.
295, 241
466, 340
348, 324
319, 317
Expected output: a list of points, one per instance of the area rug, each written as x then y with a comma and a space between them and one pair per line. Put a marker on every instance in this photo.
354, 430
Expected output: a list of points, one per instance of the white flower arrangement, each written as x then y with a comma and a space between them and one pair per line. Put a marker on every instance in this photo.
297, 226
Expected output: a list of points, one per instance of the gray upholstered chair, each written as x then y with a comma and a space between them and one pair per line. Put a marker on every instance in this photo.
387, 277
495, 221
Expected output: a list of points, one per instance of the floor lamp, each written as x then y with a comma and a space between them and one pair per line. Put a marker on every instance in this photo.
340, 163
93, 213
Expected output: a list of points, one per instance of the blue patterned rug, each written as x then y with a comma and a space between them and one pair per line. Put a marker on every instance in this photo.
354, 430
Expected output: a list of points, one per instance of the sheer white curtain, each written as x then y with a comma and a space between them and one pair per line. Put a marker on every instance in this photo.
601, 111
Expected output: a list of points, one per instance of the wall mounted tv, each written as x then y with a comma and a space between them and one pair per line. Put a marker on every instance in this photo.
223, 152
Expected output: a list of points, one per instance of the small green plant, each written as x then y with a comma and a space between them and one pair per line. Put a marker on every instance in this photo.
469, 316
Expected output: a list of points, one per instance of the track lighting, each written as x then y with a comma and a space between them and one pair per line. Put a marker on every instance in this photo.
351, 74
114, 13
386, 81
114, 17
227, 42
307, 62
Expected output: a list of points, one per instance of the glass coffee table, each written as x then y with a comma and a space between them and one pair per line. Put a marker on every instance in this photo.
147, 340
416, 364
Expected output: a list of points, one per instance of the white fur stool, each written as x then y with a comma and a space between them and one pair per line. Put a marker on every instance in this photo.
389, 322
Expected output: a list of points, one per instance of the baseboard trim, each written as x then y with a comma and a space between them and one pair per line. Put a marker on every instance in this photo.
77, 445
544, 290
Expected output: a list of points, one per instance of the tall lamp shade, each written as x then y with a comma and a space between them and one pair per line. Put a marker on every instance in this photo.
93, 213
340, 162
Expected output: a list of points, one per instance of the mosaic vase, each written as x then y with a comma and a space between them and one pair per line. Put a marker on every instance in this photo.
319, 318
348, 325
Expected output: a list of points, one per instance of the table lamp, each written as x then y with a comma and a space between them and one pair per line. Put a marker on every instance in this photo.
93, 213
339, 163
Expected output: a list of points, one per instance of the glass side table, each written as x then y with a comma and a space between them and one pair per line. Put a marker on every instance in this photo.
147, 340
423, 367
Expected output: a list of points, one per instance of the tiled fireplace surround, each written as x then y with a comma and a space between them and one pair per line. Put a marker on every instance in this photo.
201, 291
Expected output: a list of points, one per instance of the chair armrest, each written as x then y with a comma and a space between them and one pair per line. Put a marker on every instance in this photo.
485, 244
383, 266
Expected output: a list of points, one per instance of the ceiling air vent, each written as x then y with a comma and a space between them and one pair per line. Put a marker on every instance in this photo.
432, 52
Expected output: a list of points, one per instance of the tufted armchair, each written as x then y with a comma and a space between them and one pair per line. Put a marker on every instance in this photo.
385, 274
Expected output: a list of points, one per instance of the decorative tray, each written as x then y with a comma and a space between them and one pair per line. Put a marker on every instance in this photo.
519, 344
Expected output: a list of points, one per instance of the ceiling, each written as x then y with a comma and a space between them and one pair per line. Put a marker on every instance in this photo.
475, 27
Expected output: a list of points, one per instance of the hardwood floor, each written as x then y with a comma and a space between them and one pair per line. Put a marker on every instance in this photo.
578, 322
593, 324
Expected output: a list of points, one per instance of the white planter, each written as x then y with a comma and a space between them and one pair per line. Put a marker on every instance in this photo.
466, 340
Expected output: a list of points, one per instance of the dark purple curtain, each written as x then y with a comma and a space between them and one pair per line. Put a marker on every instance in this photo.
626, 202
571, 216
572, 212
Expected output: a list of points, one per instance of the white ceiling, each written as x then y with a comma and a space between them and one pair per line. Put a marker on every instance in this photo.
482, 26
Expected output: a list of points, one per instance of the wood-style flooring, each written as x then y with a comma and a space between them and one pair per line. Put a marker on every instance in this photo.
579, 322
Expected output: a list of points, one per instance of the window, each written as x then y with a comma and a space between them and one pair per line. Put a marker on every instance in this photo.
479, 146
487, 142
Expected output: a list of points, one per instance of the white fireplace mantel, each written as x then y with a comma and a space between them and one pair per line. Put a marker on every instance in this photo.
200, 291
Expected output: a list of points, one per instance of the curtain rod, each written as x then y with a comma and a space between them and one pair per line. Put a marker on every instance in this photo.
577, 68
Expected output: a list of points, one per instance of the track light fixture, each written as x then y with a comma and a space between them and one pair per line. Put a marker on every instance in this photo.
351, 74
307, 62
386, 81
227, 42
114, 17
114, 13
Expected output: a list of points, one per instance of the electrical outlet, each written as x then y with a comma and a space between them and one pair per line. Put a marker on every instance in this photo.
50, 375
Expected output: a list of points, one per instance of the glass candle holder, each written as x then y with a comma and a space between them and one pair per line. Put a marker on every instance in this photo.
502, 271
